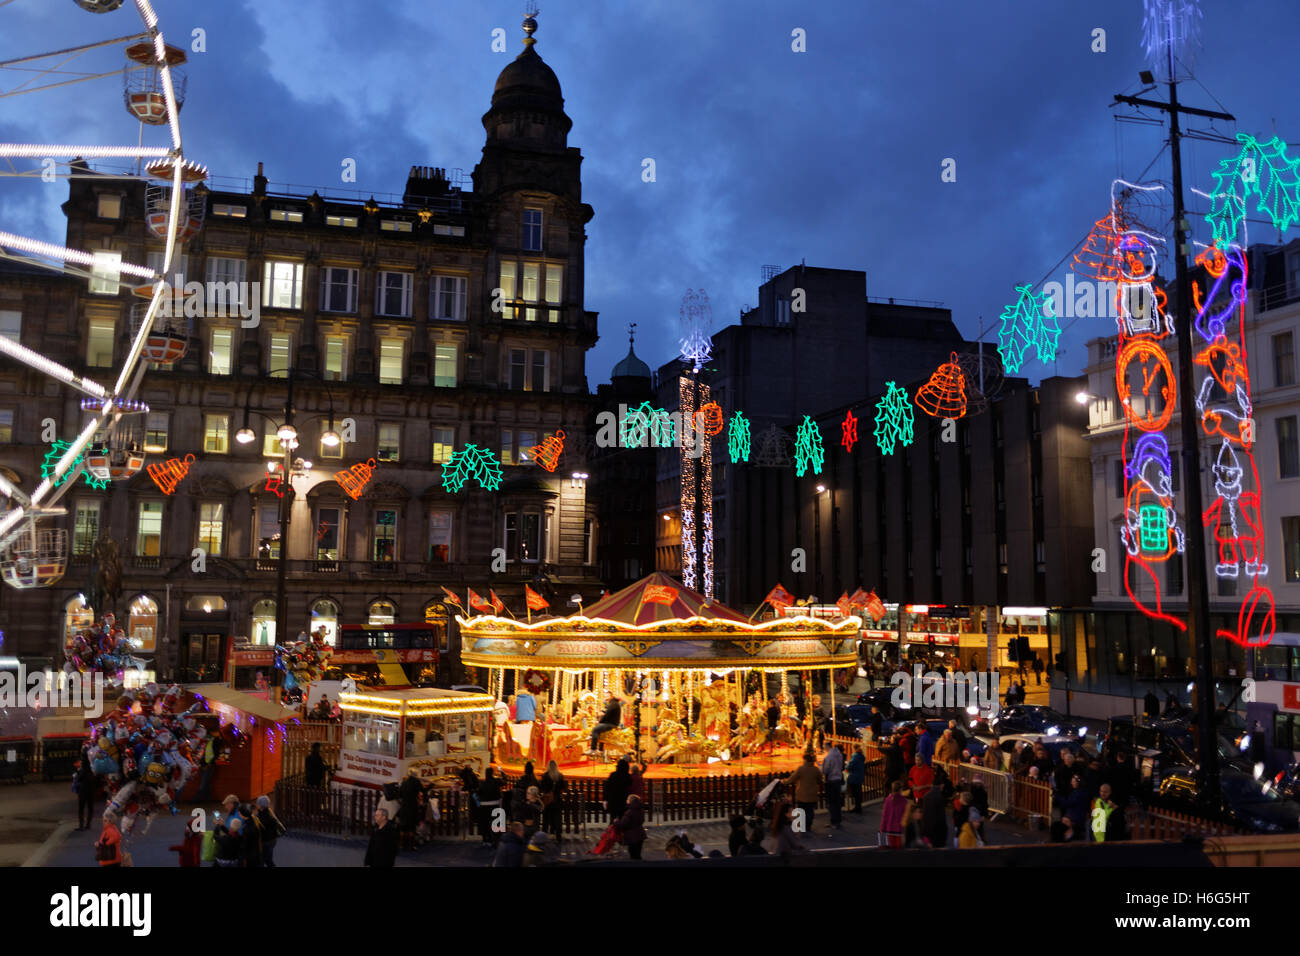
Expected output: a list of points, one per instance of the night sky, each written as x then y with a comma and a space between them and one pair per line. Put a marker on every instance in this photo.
763, 155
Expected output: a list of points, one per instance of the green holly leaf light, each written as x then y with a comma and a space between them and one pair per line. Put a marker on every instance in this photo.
646, 420
472, 462
808, 448
57, 450
894, 419
1260, 170
738, 438
1030, 322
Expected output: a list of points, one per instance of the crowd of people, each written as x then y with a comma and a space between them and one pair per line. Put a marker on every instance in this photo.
245, 835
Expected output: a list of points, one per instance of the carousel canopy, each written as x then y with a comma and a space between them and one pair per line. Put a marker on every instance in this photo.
657, 597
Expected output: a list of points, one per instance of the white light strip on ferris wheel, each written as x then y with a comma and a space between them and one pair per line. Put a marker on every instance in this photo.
38, 361
65, 465
37, 248
41, 151
11, 492
146, 13
137, 346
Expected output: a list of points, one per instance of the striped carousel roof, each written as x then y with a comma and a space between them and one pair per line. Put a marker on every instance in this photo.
658, 597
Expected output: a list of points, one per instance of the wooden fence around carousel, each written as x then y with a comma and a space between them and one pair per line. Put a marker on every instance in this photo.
298, 740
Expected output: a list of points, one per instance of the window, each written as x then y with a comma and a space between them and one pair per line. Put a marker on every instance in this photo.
155, 432
395, 225
347, 222
219, 357
532, 271
588, 554
443, 229
554, 289
444, 443
216, 434
523, 536
106, 273
541, 363
282, 285
507, 449
393, 294
385, 544
110, 206
11, 325
228, 211
444, 366
179, 270
1283, 359
336, 354
277, 356
327, 534
264, 622
271, 447
390, 361
1174, 574
268, 530
327, 451
99, 343
390, 441
383, 612
527, 441
286, 215
1288, 453
447, 297
1002, 559
507, 283
518, 367
533, 230
85, 528
325, 617
148, 529
1293, 274
227, 278
6, 426
1291, 547
440, 523
338, 290
212, 523
782, 311
530, 372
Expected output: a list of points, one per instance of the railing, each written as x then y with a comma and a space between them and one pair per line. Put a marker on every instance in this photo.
1169, 825
351, 811
298, 742
997, 783
1276, 296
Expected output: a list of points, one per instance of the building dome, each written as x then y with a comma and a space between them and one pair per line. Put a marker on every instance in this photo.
527, 104
631, 367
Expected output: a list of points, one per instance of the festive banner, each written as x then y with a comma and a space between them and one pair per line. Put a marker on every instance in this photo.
535, 601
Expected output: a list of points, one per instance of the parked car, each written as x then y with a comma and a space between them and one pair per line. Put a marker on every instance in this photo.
1242, 801
1033, 719
1171, 739
1054, 743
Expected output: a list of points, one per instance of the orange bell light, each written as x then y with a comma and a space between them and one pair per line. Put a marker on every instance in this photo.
944, 396
170, 473
547, 454
709, 419
354, 480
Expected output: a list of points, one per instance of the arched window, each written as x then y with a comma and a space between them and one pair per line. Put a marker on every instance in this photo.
325, 616
435, 612
142, 624
382, 612
77, 615
263, 631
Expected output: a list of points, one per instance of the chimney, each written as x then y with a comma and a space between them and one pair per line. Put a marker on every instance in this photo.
259, 182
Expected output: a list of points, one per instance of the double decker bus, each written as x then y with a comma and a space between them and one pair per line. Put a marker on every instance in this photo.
389, 656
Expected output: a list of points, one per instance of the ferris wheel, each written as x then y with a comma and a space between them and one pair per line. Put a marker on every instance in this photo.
32, 552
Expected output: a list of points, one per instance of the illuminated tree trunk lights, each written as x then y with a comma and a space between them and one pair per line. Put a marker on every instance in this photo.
696, 490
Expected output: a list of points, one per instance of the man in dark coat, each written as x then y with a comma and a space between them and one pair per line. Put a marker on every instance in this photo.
612, 719
408, 814
1151, 704
382, 851
894, 766
617, 787
510, 852
87, 789
877, 722
934, 817
315, 768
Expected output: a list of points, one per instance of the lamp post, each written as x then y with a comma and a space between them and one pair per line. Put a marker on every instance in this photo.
291, 468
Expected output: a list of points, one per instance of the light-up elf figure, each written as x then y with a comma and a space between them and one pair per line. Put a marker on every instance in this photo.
1150, 521
1238, 531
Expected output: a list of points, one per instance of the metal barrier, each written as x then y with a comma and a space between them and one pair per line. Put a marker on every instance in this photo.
997, 783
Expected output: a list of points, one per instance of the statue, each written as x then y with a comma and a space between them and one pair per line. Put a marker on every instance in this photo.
108, 574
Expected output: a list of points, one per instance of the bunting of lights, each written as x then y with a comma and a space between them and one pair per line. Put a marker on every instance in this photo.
1028, 323
808, 448
1147, 390
849, 431
894, 419
696, 510
1224, 401
738, 438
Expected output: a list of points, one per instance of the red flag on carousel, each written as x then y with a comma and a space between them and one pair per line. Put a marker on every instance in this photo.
477, 602
779, 597
535, 601
454, 598
843, 604
659, 594
875, 606
498, 605
857, 599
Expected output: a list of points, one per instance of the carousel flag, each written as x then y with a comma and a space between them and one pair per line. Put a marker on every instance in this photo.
535, 601
454, 598
857, 599
477, 602
498, 605
659, 594
875, 607
843, 604
779, 597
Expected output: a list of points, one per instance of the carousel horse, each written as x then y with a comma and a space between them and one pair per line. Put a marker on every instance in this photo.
750, 734
715, 714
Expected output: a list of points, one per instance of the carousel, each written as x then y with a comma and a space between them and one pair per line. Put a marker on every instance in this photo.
684, 685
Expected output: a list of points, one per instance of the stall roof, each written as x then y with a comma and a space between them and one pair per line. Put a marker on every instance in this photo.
262, 709
657, 597
415, 701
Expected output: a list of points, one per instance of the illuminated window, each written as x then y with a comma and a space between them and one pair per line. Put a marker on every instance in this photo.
175, 276
277, 363
381, 612
286, 215
440, 524
527, 440
444, 366
444, 444
385, 535
216, 434
106, 272
225, 210
393, 294
390, 361
6, 426
347, 222
155, 432
390, 442
508, 288
220, 357
282, 285
148, 529
99, 343
11, 325
325, 450
338, 290
325, 617
507, 446
532, 272
264, 622
271, 445
85, 529
336, 352
533, 230
109, 206
395, 225
226, 285
327, 534
212, 524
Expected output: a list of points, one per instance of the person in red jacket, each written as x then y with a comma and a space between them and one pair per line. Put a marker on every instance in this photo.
109, 847
920, 778
190, 848
907, 742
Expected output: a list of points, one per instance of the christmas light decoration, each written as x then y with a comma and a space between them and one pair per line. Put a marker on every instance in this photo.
1028, 323
472, 462
125, 406
849, 431
274, 484
646, 421
894, 420
944, 396
738, 438
1260, 170
709, 419
696, 507
547, 454
354, 480
808, 448
57, 450
1170, 36
1098, 258
696, 321
170, 473
773, 448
